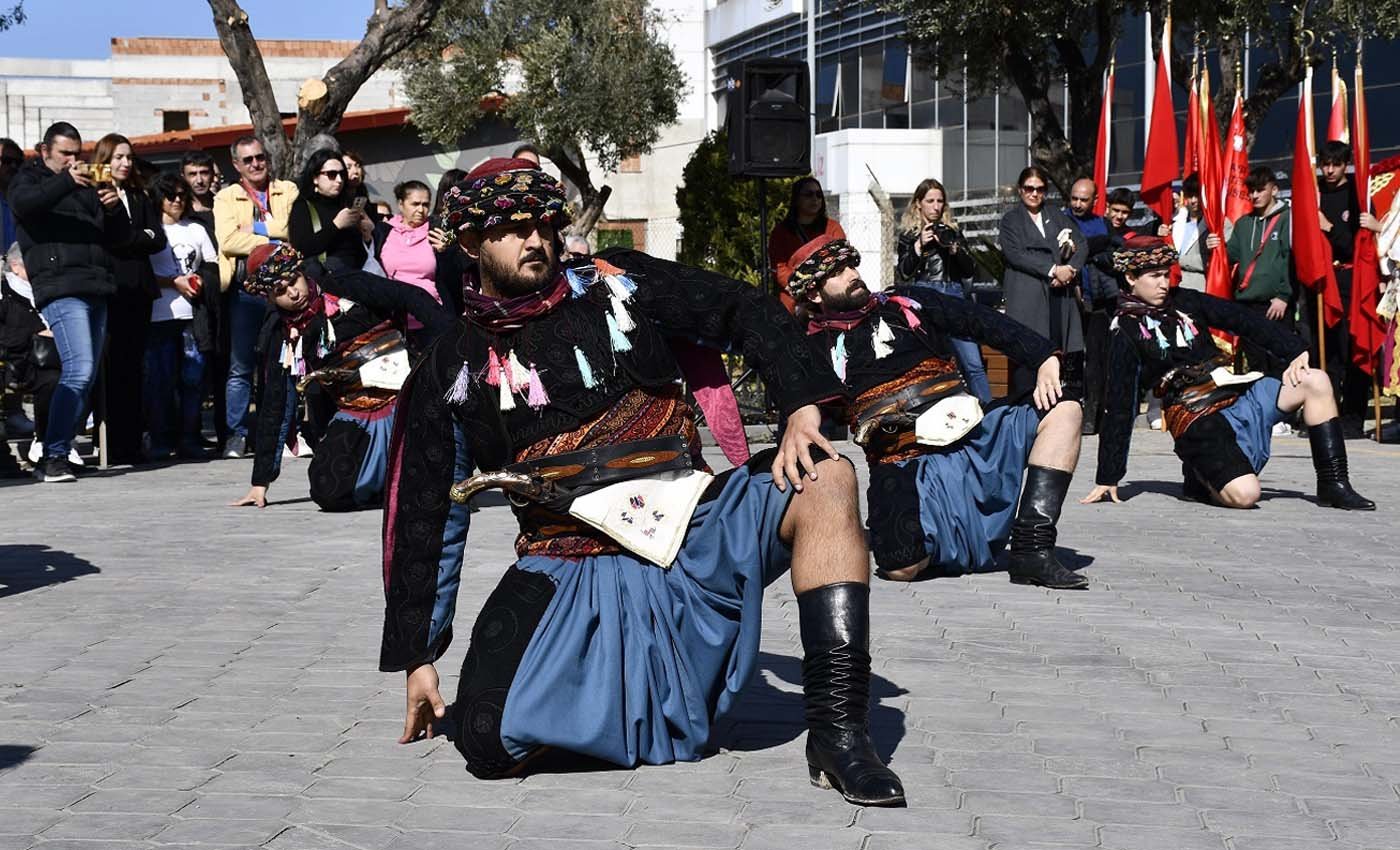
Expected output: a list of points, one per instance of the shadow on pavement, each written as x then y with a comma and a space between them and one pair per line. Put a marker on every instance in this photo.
32, 566
14, 754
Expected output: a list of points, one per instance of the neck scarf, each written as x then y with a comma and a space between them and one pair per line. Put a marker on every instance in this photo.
252, 194
1166, 324
509, 314
315, 306
842, 321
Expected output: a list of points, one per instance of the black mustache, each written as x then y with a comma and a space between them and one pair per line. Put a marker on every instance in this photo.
534, 257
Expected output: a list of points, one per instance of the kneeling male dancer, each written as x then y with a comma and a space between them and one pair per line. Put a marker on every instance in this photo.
945, 498
1221, 423
559, 379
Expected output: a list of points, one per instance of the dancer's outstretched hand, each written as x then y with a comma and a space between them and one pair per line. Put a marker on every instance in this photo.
1047, 384
425, 705
256, 497
804, 430
1099, 491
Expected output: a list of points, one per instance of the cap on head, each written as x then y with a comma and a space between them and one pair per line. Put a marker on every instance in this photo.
818, 260
503, 190
271, 267
1144, 254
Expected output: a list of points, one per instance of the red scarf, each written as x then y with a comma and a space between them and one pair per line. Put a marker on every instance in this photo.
510, 314
842, 321
252, 194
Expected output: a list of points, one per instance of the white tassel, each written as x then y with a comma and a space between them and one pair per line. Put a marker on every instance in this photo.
624, 318
519, 375
507, 397
616, 288
460, 387
881, 340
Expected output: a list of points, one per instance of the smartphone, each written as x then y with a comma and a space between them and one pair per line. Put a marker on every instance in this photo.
359, 203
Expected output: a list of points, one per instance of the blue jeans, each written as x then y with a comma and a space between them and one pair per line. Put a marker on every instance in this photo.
79, 324
174, 379
246, 314
967, 352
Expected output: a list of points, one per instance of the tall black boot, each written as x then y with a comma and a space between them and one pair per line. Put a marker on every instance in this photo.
835, 623
1329, 452
1032, 558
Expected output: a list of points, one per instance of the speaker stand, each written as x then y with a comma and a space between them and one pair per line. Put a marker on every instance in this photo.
762, 184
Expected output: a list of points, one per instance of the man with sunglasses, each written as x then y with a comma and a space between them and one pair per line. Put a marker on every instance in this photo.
252, 212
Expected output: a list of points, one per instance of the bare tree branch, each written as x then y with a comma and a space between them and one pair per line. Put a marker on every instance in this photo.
241, 48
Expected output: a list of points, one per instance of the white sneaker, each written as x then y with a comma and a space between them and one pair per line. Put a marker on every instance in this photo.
36, 451
1155, 424
74, 458
1282, 429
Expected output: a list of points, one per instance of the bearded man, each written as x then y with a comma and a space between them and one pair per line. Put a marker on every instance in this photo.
630, 622
944, 474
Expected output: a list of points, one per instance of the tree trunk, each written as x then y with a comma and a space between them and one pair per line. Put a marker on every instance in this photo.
388, 31
591, 199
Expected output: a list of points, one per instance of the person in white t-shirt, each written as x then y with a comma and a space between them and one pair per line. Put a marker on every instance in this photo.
174, 363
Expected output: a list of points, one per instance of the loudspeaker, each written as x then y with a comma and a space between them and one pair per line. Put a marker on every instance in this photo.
768, 120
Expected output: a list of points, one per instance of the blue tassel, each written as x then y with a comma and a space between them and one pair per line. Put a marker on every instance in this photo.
619, 340
577, 284
584, 369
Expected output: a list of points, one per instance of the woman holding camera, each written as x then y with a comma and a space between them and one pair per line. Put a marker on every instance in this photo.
326, 222
932, 255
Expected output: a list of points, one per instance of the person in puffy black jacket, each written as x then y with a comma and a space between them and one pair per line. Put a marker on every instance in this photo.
66, 228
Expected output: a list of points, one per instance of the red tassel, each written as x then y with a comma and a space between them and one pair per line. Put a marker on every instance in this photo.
493, 369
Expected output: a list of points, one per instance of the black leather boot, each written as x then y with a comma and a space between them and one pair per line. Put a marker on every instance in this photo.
1329, 452
1032, 558
835, 623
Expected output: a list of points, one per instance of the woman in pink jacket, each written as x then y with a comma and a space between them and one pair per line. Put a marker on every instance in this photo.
407, 255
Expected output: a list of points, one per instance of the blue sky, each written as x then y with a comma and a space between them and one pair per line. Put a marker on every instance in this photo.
83, 29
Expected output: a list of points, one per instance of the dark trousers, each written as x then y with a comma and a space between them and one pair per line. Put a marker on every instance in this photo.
1255, 355
1096, 334
1350, 385
128, 325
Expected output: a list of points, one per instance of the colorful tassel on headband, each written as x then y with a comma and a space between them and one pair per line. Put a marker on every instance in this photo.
584, 369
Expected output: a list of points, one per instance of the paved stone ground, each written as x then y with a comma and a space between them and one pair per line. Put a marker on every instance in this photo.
177, 673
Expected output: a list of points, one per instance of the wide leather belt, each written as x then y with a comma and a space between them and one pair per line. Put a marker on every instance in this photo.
1189, 392
895, 412
555, 481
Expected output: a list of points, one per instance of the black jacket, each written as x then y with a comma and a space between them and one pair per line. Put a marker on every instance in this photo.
145, 236
340, 250
65, 234
936, 263
1135, 360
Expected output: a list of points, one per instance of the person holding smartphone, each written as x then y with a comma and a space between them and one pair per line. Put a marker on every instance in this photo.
327, 222
933, 256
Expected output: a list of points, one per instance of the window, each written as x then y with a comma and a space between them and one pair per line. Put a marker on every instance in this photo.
174, 120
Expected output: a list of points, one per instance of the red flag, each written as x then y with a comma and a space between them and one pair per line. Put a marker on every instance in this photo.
1102, 146
1312, 254
1191, 154
1218, 277
1161, 165
1337, 122
1236, 165
1365, 327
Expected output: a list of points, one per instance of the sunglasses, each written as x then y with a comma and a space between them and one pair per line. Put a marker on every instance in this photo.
1033, 190
334, 174
257, 157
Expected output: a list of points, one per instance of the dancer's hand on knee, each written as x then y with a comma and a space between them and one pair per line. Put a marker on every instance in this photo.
1047, 384
1099, 491
425, 705
1297, 371
804, 430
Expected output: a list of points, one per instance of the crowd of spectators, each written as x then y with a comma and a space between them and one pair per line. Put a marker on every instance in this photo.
123, 312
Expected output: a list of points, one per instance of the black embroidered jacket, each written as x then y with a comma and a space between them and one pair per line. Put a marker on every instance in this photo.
1135, 361
940, 317
437, 441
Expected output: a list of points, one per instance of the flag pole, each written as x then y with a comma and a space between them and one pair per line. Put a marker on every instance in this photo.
1306, 96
